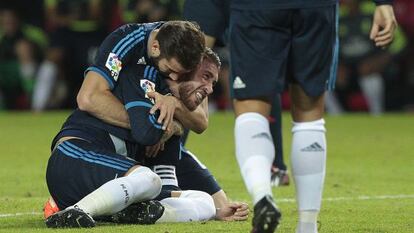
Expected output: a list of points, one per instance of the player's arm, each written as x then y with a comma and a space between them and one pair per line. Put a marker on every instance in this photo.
176, 129
229, 211
96, 98
144, 127
197, 120
384, 23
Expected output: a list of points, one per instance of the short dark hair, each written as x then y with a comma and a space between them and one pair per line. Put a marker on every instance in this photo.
182, 40
212, 56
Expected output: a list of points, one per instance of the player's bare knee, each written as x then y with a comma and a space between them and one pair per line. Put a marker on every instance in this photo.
304, 107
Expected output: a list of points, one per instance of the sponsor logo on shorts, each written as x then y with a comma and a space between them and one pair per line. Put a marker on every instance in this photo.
147, 86
114, 65
238, 83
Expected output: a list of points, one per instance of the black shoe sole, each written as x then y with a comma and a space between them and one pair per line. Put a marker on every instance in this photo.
146, 212
266, 218
71, 218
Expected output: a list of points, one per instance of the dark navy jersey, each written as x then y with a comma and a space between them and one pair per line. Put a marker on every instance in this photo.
133, 84
288, 4
124, 47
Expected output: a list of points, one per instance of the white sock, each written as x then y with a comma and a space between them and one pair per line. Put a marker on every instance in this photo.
190, 206
307, 222
308, 160
113, 196
372, 87
255, 153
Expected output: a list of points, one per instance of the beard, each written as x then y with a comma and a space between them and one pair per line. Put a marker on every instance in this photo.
188, 97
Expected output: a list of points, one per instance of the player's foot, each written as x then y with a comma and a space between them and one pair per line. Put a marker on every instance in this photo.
50, 208
70, 218
266, 216
279, 177
146, 212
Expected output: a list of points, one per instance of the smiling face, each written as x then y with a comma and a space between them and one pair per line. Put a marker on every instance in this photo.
198, 84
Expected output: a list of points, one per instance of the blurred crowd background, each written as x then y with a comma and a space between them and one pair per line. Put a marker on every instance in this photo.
45, 46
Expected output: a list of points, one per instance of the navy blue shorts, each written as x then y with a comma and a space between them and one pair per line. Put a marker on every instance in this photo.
211, 15
193, 175
270, 45
78, 167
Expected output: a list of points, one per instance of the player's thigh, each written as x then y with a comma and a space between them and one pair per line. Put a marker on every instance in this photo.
77, 168
211, 15
313, 56
259, 46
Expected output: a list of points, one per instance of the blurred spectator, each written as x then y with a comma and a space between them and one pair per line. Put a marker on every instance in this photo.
30, 12
20, 53
76, 30
362, 65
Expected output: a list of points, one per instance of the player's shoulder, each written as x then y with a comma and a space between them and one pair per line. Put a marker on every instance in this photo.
144, 26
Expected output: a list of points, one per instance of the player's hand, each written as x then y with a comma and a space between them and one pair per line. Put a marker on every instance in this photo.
383, 26
233, 211
167, 105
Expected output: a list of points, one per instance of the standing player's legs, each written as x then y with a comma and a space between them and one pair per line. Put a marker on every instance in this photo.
255, 42
312, 63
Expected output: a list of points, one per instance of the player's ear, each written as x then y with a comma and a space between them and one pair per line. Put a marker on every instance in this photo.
155, 49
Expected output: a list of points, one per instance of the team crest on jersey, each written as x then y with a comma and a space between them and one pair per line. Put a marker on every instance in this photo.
147, 86
114, 65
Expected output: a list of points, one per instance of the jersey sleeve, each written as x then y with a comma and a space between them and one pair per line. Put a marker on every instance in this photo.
144, 127
118, 50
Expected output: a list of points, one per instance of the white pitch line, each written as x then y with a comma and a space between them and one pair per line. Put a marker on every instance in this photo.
19, 214
282, 200
358, 198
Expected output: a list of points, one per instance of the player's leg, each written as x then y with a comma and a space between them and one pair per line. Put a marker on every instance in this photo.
308, 156
187, 206
314, 63
191, 175
279, 170
258, 52
94, 189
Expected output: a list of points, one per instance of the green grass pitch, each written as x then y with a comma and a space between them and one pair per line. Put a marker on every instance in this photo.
369, 184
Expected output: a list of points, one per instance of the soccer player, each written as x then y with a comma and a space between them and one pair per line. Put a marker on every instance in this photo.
298, 39
213, 18
174, 48
96, 150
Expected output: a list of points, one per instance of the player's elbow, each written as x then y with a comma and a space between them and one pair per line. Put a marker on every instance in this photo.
83, 100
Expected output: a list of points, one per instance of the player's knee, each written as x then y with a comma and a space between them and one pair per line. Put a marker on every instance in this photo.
204, 203
153, 181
